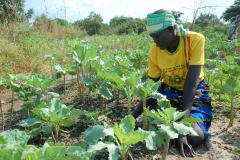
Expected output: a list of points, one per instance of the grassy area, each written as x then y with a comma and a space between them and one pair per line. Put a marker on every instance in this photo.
22, 47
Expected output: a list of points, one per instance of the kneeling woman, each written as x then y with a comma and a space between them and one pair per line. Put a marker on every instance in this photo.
177, 58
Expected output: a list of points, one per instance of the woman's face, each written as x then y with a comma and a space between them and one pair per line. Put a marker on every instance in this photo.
164, 38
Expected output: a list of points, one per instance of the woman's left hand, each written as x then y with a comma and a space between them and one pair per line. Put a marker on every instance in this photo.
183, 143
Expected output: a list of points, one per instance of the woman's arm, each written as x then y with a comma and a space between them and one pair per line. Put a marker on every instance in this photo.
190, 86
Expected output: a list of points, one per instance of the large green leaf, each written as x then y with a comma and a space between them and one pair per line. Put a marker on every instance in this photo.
79, 150
231, 86
170, 112
59, 69
56, 113
135, 137
126, 134
96, 133
55, 152
127, 124
105, 92
30, 122
157, 116
86, 81
13, 138
35, 131
179, 115
155, 140
90, 54
190, 121
111, 147
169, 131
11, 153
183, 129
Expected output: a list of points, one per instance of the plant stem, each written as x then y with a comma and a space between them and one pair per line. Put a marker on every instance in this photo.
232, 114
145, 120
165, 150
129, 104
53, 136
104, 106
78, 82
82, 87
64, 84
219, 95
28, 111
2, 113
56, 132
11, 117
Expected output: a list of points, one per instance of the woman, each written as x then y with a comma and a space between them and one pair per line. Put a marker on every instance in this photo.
177, 58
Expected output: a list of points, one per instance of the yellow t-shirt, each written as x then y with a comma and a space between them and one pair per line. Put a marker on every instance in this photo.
172, 67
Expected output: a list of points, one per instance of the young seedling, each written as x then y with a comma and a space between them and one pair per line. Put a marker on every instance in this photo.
12, 81
232, 84
13, 145
143, 90
117, 140
56, 114
82, 55
58, 73
51, 58
33, 89
168, 126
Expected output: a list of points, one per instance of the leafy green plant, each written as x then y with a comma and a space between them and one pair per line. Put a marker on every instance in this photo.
33, 88
59, 71
12, 81
143, 90
12, 143
117, 140
168, 126
232, 84
81, 55
56, 114
13, 146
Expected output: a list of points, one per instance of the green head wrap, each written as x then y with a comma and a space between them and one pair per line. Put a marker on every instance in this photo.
160, 21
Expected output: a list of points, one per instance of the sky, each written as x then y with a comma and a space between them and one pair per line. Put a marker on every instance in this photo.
80, 9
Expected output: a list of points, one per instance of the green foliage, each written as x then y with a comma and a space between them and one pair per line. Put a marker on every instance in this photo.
231, 13
116, 140
13, 146
207, 19
13, 138
56, 113
11, 10
126, 25
169, 126
92, 24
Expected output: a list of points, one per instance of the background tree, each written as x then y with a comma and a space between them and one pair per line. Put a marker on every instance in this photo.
207, 19
127, 25
232, 12
11, 10
92, 24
